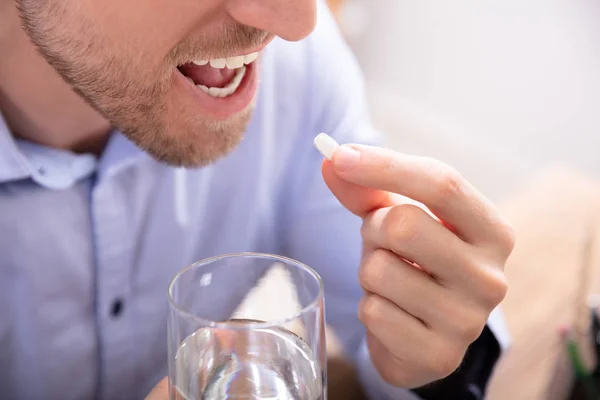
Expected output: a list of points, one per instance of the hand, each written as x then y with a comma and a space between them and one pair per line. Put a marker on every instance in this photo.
160, 391
431, 275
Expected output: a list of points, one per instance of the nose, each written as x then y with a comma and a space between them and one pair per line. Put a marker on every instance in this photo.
289, 19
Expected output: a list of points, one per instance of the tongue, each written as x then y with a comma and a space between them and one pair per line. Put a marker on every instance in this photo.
207, 75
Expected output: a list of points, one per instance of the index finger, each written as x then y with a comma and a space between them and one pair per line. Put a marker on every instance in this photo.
442, 189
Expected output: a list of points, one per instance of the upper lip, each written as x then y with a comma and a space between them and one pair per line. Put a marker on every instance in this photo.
238, 53
257, 49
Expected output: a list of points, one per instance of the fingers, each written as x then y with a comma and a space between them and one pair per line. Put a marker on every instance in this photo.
359, 200
418, 331
431, 280
413, 234
403, 350
391, 324
390, 277
430, 182
440, 309
435, 361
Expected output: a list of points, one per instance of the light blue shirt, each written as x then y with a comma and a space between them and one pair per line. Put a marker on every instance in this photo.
89, 244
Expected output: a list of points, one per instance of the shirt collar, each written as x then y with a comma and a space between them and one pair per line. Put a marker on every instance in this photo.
13, 165
59, 169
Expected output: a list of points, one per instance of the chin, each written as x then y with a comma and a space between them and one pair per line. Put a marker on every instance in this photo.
193, 141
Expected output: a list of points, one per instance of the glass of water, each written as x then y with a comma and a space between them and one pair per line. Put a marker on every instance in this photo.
247, 326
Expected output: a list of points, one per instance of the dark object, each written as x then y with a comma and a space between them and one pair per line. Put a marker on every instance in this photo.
117, 308
343, 382
596, 332
579, 392
469, 381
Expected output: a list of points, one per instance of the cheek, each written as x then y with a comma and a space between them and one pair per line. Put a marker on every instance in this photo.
149, 29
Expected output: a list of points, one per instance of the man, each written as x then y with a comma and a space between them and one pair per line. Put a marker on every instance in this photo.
93, 227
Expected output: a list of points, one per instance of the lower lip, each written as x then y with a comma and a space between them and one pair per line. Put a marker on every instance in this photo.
224, 107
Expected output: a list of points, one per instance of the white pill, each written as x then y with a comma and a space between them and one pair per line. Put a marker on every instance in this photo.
326, 145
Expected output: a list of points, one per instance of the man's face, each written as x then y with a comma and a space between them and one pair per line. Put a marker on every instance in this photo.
143, 64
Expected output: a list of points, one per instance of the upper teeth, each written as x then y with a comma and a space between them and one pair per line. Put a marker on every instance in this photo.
229, 62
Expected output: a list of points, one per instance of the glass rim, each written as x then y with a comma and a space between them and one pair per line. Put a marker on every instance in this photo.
253, 325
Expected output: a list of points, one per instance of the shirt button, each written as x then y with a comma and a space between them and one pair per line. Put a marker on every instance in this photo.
116, 308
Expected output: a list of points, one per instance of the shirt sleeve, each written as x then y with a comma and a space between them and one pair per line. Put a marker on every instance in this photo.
317, 229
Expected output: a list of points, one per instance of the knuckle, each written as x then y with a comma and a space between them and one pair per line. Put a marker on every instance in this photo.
372, 271
489, 283
445, 360
401, 223
388, 166
470, 327
508, 237
364, 230
446, 182
394, 375
448, 364
496, 288
372, 310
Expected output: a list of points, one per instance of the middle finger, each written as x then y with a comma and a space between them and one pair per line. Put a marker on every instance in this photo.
413, 234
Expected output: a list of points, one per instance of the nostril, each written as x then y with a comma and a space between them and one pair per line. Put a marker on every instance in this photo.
291, 20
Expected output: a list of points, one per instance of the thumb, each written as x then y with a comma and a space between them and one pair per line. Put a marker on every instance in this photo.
160, 391
360, 200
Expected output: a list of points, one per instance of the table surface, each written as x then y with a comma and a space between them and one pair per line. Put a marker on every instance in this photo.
553, 218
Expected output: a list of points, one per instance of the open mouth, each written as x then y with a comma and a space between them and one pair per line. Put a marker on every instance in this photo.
220, 77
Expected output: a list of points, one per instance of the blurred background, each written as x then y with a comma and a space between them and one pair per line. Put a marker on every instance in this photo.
499, 89
508, 92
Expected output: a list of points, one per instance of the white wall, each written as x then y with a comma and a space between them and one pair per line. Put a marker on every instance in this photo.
498, 88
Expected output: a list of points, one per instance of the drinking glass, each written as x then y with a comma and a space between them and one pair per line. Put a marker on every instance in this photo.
247, 326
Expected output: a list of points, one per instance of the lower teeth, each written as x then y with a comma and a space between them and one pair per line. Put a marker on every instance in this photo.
227, 90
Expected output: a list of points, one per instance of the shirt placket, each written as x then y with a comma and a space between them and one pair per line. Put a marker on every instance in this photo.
113, 240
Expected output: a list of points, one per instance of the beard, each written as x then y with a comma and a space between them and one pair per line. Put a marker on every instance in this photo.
137, 95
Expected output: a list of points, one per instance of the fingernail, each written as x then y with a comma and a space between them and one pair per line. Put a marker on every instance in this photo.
345, 158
